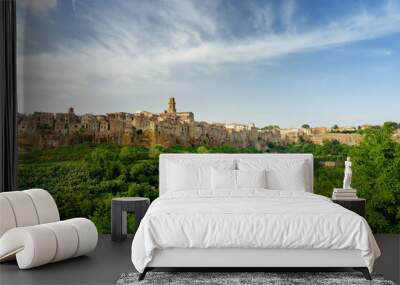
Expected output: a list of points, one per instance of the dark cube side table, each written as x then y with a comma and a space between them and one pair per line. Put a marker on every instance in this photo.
119, 209
355, 205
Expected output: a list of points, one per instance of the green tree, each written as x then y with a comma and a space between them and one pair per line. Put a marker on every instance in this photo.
249, 149
144, 171
305, 126
202, 149
112, 186
156, 150
376, 172
332, 150
143, 190
270, 127
129, 154
390, 124
224, 149
325, 179
101, 215
103, 164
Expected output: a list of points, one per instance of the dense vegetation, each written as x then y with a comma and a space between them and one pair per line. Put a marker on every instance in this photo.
376, 172
84, 178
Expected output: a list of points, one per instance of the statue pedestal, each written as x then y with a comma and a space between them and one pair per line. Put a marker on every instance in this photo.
344, 194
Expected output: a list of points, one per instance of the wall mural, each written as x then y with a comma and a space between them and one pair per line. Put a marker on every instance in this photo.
104, 88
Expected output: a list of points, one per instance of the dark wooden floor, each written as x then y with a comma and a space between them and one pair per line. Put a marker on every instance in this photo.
110, 260
389, 262
103, 266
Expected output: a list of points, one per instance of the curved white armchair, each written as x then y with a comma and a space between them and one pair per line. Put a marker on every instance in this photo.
31, 230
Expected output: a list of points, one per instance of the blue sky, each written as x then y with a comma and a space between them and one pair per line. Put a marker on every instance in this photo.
268, 62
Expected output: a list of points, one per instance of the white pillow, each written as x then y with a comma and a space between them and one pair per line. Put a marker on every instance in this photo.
223, 179
288, 177
281, 174
227, 179
251, 178
182, 177
193, 175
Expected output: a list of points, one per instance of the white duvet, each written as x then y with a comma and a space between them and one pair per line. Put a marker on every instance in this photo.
250, 219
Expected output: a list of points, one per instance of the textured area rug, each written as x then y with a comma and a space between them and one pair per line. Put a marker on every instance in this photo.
228, 278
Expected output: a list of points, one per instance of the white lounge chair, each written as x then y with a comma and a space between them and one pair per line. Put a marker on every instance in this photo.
31, 230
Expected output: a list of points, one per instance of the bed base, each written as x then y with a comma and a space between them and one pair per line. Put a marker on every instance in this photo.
250, 259
363, 270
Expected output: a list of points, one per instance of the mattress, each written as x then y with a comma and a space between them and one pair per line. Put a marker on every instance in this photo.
250, 219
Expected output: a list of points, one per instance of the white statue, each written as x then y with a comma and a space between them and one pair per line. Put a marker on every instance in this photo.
347, 174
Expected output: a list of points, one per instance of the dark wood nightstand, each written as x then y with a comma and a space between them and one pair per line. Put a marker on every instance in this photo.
355, 205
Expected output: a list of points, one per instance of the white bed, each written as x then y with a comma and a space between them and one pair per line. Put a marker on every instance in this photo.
249, 227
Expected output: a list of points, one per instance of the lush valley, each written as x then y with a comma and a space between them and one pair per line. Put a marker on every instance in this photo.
83, 178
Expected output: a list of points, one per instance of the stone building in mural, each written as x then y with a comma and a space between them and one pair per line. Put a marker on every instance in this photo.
169, 128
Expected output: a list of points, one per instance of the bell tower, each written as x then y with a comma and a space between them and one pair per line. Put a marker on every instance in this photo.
171, 106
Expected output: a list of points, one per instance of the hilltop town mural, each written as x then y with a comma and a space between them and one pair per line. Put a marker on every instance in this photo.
104, 89
142, 128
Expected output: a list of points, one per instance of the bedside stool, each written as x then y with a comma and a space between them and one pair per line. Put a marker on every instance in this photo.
119, 208
355, 205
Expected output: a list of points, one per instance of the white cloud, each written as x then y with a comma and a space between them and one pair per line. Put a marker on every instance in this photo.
137, 43
184, 35
356, 28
